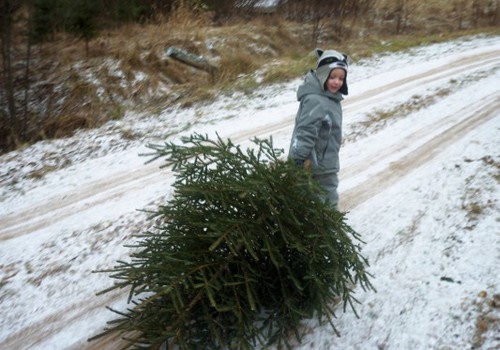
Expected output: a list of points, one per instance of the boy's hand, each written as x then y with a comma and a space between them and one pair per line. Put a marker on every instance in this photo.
306, 164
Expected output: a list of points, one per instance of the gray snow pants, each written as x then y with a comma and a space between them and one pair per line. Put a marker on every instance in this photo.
329, 182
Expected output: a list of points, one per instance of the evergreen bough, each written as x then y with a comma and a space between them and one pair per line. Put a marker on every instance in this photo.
244, 251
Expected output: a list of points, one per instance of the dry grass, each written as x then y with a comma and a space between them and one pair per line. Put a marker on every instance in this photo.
127, 67
487, 306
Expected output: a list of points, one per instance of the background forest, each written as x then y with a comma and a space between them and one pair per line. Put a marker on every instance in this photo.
71, 64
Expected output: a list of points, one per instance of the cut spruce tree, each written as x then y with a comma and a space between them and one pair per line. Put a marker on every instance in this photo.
242, 253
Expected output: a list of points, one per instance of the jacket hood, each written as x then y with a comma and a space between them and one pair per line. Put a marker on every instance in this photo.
329, 60
312, 85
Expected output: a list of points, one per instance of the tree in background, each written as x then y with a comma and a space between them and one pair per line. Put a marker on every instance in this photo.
83, 19
10, 125
485, 12
322, 13
47, 18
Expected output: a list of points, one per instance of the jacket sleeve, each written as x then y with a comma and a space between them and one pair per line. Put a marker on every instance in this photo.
307, 126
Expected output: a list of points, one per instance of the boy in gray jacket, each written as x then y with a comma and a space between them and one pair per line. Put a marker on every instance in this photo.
317, 134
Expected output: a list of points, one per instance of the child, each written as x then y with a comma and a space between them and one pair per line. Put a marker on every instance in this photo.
317, 133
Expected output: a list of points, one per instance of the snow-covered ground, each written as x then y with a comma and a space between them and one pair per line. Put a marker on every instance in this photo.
420, 181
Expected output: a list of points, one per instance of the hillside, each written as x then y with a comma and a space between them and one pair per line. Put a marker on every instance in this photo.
419, 181
59, 78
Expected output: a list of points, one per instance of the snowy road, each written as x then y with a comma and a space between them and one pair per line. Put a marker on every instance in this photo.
442, 99
50, 211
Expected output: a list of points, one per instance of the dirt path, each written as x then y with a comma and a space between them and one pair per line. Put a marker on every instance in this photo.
94, 193
44, 214
485, 110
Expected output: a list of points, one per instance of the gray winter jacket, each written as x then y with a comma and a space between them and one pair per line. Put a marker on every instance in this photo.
318, 126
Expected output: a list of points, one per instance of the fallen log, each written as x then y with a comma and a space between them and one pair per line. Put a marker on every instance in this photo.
192, 60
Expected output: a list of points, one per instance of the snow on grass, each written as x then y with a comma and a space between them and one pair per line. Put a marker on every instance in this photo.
431, 258
432, 238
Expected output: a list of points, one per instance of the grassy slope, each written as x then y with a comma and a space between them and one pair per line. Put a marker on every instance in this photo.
127, 68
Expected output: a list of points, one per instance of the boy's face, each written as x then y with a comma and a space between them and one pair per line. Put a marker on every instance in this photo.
335, 80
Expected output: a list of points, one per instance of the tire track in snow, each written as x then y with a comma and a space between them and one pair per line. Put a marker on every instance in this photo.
36, 333
426, 77
372, 96
350, 199
105, 190
54, 209
399, 145
426, 152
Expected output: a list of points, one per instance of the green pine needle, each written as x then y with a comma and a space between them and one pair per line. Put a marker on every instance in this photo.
244, 252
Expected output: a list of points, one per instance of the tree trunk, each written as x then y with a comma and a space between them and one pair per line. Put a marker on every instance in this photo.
27, 77
7, 69
315, 30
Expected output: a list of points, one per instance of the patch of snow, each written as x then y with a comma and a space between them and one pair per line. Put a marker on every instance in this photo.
432, 236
